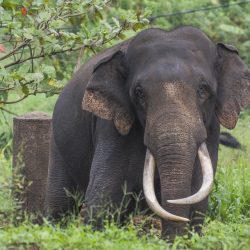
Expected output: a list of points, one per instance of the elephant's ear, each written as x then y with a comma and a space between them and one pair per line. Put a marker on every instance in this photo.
233, 85
106, 95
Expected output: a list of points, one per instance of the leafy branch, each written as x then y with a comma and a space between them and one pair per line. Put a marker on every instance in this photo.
40, 39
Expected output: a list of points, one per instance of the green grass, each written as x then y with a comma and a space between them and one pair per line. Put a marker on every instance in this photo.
227, 225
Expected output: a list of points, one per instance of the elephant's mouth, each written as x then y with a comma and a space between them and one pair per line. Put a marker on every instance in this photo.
148, 184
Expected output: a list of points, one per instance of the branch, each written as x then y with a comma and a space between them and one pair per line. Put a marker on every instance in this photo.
72, 15
6, 89
8, 111
66, 50
14, 87
32, 60
25, 96
16, 101
14, 50
43, 55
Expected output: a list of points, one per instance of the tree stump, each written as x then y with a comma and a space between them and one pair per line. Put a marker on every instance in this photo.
31, 140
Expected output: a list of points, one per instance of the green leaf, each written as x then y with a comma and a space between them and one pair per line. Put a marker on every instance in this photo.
44, 16
28, 35
48, 70
54, 83
121, 36
25, 89
116, 22
35, 77
137, 26
24, 68
57, 47
232, 29
3, 72
56, 24
3, 95
98, 14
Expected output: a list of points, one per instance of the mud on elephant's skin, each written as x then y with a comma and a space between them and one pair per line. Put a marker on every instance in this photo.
162, 92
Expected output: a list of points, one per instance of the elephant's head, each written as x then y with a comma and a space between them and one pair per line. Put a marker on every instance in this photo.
173, 83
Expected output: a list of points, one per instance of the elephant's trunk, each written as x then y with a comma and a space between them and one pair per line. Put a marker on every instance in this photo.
148, 188
174, 148
207, 176
148, 185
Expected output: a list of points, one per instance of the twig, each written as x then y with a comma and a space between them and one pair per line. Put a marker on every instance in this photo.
5, 119
14, 50
8, 111
72, 15
32, 60
13, 87
16, 101
25, 96
43, 55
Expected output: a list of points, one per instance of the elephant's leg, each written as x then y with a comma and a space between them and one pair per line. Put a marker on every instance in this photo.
114, 160
58, 202
197, 215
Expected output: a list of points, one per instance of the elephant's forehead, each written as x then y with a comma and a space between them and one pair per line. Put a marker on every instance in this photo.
172, 52
171, 70
191, 67
178, 39
169, 53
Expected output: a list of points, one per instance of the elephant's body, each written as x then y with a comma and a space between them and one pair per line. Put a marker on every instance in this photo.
89, 136
97, 156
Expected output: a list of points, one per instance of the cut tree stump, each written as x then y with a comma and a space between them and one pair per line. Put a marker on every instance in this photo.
30, 158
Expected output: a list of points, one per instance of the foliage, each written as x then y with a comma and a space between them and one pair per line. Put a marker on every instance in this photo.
75, 236
228, 24
36, 34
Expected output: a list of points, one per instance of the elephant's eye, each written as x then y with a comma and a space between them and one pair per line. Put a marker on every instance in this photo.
203, 91
139, 95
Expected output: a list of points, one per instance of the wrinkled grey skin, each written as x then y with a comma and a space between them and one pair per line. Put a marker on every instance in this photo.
167, 91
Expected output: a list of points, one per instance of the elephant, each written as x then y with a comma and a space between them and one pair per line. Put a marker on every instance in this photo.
147, 113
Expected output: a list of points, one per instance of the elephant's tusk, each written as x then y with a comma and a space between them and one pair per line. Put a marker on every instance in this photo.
207, 173
149, 192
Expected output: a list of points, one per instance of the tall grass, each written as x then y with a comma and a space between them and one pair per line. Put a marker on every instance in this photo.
227, 225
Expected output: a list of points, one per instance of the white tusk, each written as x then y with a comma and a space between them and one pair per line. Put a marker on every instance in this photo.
149, 191
208, 176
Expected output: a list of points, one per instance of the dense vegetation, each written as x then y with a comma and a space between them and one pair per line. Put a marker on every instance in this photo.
47, 62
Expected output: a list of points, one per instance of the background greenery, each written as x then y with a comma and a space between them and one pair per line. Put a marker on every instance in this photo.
90, 27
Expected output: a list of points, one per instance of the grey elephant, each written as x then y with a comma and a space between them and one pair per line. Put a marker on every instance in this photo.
153, 102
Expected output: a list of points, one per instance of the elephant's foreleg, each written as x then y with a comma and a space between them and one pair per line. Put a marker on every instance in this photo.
114, 171
107, 185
